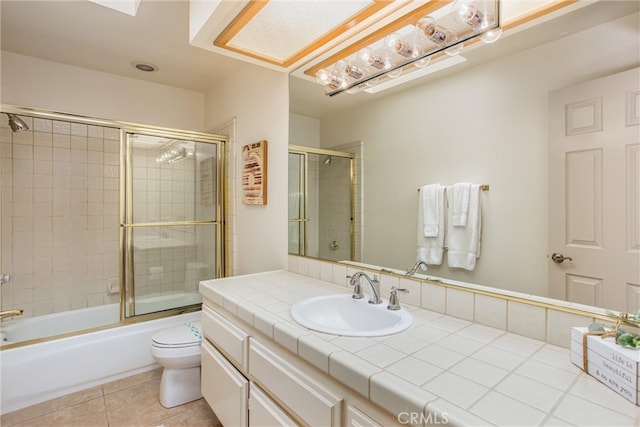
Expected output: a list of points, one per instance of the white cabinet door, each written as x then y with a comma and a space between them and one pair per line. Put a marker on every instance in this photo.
265, 412
224, 388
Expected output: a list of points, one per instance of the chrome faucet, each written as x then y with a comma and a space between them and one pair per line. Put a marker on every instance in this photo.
374, 287
394, 304
9, 313
420, 264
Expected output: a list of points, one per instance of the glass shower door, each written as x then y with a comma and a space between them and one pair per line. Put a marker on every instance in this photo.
172, 228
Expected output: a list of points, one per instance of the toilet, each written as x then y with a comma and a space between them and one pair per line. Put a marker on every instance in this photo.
177, 349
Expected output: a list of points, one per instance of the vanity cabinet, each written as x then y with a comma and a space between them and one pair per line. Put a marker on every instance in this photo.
225, 389
249, 380
265, 412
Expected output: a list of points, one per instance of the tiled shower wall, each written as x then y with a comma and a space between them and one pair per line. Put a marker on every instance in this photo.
172, 259
59, 215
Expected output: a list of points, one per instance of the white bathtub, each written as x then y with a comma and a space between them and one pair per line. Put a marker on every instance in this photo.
29, 328
34, 373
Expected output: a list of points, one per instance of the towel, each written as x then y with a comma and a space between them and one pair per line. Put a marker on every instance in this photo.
460, 203
463, 243
430, 248
432, 200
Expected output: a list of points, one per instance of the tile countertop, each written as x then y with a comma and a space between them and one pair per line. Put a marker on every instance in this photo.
470, 373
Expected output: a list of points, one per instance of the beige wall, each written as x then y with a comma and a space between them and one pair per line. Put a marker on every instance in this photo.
486, 125
36, 83
259, 101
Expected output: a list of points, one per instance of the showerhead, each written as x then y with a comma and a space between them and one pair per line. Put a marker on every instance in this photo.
327, 160
16, 123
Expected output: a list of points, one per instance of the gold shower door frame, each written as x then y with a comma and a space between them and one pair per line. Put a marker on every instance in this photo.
303, 221
127, 225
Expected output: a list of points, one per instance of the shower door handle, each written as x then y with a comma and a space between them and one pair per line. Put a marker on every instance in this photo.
5, 278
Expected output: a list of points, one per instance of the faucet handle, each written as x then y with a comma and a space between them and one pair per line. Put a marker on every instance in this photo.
394, 303
357, 288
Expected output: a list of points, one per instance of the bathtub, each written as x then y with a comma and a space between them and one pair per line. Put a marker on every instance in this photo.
49, 325
38, 372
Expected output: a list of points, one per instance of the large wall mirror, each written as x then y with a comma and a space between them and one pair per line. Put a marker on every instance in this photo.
488, 121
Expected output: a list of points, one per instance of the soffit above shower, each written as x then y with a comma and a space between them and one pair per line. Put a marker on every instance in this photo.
296, 36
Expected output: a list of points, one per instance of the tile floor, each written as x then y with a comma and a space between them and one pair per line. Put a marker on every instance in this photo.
129, 402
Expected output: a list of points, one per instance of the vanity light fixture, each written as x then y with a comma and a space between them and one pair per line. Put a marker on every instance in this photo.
174, 154
413, 46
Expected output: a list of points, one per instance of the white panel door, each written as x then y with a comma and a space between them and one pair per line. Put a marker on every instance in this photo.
594, 196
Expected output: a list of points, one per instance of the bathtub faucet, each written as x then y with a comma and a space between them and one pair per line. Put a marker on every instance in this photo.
9, 313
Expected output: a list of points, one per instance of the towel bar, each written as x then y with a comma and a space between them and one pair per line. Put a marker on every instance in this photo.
483, 187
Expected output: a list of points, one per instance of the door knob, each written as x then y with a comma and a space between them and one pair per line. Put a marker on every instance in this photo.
559, 258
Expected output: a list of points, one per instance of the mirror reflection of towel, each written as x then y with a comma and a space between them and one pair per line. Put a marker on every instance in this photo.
460, 204
430, 248
463, 243
432, 199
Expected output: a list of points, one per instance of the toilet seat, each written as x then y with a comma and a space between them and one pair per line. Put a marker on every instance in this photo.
186, 335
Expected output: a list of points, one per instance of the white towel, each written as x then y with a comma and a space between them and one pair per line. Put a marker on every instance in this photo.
463, 243
460, 205
430, 249
432, 200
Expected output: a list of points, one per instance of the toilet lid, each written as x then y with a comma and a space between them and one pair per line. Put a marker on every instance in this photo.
188, 334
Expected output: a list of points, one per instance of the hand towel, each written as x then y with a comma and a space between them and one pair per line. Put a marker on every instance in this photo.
432, 200
463, 243
430, 249
460, 204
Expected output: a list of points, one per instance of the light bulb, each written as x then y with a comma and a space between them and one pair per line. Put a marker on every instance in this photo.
421, 63
372, 82
465, 12
330, 80
345, 68
428, 28
491, 35
452, 38
395, 45
322, 76
369, 59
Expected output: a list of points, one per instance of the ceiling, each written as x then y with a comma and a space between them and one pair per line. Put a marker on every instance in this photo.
88, 35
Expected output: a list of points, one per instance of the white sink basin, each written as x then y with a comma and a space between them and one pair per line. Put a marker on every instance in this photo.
343, 315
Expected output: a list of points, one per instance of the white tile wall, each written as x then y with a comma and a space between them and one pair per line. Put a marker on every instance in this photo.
59, 215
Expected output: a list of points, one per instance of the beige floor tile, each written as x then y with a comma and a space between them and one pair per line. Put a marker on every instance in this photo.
129, 402
138, 406
41, 409
90, 413
131, 381
195, 414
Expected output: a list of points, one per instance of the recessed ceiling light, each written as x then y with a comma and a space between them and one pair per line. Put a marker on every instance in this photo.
145, 66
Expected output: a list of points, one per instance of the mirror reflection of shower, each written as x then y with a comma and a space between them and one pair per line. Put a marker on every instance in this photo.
321, 203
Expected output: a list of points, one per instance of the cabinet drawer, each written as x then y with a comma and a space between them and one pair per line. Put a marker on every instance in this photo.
310, 401
357, 418
265, 412
230, 339
224, 388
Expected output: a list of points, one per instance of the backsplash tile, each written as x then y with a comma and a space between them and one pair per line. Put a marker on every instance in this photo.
527, 320
559, 326
460, 304
491, 311
434, 298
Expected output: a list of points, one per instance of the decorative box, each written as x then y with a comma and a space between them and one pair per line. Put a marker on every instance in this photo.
611, 364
